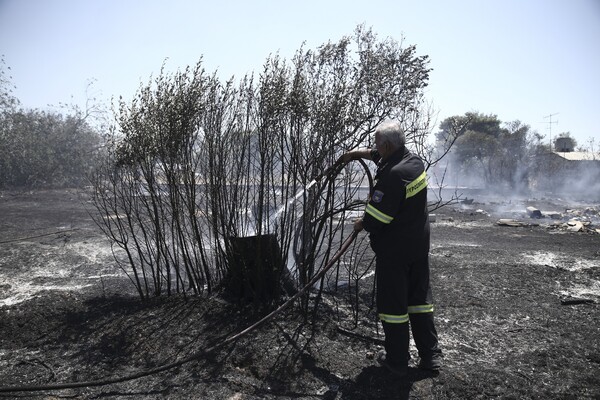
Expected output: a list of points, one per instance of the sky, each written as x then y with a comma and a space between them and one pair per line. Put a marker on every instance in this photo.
536, 61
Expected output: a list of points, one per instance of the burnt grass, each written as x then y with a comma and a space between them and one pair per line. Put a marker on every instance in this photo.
516, 311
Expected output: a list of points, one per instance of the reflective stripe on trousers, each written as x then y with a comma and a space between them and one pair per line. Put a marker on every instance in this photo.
420, 309
401, 319
394, 319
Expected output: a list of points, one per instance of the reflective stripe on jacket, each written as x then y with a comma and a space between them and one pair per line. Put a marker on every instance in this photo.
411, 189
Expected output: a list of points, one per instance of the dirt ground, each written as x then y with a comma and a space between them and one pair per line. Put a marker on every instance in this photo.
516, 310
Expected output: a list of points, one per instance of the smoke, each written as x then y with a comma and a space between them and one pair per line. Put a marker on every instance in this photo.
451, 175
546, 175
570, 180
582, 183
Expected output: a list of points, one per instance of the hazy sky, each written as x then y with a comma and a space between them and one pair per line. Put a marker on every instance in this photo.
518, 59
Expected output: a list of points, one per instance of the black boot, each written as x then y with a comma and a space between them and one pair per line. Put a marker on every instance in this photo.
396, 348
426, 340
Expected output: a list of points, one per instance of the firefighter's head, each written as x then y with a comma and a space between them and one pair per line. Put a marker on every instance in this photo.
389, 137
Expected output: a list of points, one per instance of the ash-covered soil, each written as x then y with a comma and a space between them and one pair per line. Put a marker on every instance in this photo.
516, 311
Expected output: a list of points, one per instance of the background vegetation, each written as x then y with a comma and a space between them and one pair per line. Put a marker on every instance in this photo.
512, 158
43, 149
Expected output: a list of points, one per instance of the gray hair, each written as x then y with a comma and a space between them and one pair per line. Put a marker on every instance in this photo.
392, 132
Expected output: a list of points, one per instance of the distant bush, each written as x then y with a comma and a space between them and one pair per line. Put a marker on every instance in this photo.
40, 149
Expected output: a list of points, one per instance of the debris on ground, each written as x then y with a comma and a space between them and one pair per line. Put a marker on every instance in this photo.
534, 212
572, 220
575, 301
510, 222
574, 225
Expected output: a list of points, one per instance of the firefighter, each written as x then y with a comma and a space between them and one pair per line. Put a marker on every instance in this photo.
397, 220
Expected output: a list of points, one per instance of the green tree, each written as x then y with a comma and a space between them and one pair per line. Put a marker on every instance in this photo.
475, 145
514, 157
485, 148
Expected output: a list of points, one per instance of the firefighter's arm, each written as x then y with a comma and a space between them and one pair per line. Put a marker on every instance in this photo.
356, 154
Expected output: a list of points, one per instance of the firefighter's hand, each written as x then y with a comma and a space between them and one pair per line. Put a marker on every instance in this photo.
358, 224
345, 158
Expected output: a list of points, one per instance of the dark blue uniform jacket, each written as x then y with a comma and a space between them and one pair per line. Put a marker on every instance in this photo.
396, 216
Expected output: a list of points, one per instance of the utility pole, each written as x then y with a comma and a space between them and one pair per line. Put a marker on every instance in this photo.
550, 122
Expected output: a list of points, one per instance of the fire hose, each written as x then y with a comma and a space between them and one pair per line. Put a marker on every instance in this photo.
202, 353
